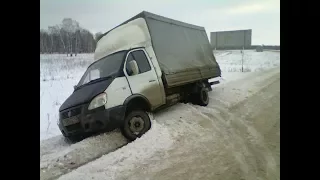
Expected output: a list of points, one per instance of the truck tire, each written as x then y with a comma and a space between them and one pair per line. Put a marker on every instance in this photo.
201, 98
136, 123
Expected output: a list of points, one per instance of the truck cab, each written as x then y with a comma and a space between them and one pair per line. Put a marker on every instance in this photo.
116, 84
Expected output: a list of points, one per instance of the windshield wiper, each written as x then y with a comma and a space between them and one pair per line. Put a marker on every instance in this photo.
94, 81
99, 79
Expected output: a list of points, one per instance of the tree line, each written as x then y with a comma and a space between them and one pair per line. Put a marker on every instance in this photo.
67, 38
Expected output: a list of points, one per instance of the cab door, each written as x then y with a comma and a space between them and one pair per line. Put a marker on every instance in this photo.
146, 81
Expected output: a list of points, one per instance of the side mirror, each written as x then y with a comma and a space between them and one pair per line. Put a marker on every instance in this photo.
134, 67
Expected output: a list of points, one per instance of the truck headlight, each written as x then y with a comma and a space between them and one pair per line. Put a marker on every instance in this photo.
98, 101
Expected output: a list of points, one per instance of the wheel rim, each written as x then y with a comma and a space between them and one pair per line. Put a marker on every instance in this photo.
136, 125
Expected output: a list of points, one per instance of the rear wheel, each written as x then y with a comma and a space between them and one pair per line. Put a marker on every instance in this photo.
201, 97
136, 123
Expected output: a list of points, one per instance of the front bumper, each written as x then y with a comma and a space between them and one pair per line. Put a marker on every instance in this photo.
79, 120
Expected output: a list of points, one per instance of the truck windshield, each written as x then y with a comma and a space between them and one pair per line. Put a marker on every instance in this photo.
103, 68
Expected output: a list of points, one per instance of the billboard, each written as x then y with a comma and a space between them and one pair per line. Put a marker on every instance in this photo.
237, 39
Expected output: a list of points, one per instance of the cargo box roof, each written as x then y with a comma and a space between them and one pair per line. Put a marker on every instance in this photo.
145, 14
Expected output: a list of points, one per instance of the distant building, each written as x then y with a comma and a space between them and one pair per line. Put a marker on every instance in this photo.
237, 39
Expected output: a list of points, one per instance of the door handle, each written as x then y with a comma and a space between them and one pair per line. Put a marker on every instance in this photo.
152, 80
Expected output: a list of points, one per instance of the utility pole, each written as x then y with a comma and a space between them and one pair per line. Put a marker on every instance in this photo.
242, 54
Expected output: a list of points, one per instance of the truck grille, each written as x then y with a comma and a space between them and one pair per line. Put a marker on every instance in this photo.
71, 112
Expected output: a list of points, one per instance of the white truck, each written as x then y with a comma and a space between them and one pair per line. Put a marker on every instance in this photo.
146, 63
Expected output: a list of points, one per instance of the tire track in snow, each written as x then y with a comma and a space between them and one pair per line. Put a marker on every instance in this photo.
230, 137
255, 155
54, 164
157, 139
53, 145
64, 157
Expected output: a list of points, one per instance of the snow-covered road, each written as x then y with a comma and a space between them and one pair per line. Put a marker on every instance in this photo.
236, 137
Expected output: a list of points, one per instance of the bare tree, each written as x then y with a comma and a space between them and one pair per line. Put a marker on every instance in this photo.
70, 26
67, 37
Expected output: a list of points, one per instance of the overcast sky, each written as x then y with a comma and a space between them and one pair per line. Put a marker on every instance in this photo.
262, 16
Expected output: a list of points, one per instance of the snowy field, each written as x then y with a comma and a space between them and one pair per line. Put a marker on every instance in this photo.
58, 75
231, 61
236, 137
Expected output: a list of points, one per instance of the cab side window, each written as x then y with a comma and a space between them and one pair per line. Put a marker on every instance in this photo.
141, 59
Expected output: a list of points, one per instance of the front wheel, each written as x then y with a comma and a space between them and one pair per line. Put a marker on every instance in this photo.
136, 124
